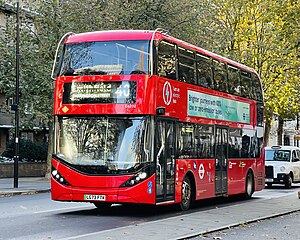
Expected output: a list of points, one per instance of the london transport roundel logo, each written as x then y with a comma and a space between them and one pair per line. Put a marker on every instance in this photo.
167, 93
201, 171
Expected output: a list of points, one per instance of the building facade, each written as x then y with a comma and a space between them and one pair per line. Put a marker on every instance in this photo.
290, 136
39, 131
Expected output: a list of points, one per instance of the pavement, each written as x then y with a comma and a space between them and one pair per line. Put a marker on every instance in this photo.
200, 223
26, 185
179, 227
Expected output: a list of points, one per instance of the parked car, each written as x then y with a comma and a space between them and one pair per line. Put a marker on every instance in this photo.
282, 165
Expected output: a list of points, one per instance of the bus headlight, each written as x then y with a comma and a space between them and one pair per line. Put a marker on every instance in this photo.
143, 175
139, 177
58, 177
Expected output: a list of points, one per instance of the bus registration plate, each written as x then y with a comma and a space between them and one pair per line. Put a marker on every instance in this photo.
94, 197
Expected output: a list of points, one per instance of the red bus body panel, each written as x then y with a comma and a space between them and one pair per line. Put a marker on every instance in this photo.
99, 185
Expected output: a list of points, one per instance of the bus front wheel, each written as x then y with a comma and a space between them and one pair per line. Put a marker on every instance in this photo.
186, 194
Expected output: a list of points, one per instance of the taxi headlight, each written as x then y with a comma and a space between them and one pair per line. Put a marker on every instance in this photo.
282, 168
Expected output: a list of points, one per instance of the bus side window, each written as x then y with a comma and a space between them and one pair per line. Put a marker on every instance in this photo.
187, 65
166, 66
256, 88
248, 143
260, 137
187, 148
220, 76
235, 143
204, 71
260, 114
246, 84
204, 141
234, 85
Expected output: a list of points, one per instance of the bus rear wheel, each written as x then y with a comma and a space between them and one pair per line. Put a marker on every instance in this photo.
249, 189
102, 205
186, 194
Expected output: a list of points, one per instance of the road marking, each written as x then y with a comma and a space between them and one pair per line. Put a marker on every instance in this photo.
63, 209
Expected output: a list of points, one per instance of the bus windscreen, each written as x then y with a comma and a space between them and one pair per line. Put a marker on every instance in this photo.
112, 144
105, 58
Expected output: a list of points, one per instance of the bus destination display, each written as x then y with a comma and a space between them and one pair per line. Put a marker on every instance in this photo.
99, 92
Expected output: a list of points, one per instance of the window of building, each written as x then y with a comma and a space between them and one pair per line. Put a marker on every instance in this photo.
27, 136
166, 66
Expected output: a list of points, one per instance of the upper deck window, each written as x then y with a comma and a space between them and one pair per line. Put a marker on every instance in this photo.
246, 84
234, 80
204, 71
256, 88
166, 66
220, 76
187, 65
105, 58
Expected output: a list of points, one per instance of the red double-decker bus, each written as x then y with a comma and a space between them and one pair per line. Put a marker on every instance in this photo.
142, 117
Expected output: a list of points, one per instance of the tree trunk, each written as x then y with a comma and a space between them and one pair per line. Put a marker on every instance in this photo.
50, 150
267, 132
280, 131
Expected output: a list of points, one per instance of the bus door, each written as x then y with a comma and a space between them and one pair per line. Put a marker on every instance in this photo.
165, 138
221, 160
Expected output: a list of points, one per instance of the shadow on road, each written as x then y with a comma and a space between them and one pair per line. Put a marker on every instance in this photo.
157, 212
150, 213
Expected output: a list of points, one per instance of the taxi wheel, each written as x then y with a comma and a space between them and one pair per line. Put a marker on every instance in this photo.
289, 181
102, 205
186, 194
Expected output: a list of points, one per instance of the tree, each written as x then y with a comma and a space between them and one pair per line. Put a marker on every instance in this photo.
263, 34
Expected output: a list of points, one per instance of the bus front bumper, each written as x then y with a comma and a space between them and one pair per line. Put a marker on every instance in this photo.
140, 193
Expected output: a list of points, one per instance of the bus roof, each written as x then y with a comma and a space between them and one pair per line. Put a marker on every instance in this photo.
122, 35
112, 35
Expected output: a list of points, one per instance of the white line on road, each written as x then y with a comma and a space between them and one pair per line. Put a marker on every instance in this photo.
64, 209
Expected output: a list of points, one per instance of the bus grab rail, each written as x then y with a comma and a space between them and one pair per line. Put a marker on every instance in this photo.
163, 31
56, 52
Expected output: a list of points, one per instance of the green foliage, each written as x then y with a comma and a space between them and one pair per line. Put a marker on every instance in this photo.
263, 34
29, 151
